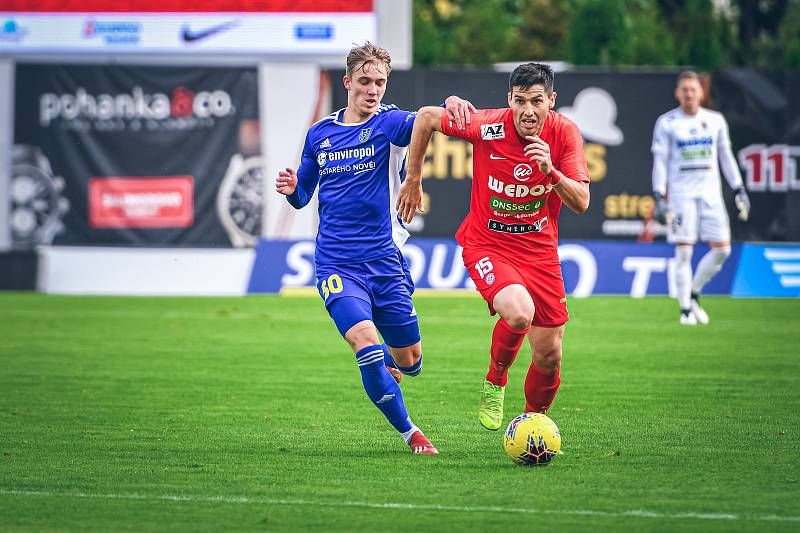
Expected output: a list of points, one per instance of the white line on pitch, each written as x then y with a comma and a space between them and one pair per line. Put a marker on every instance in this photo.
411, 506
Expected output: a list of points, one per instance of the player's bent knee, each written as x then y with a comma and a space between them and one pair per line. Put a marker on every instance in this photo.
361, 335
515, 306
519, 318
683, 253
548, 361
408, 356
722, 252
546, 344
519, 322
401, 334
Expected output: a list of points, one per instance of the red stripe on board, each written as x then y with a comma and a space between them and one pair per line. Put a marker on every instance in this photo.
188, 6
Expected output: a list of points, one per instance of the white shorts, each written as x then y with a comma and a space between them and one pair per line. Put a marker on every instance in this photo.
698, 217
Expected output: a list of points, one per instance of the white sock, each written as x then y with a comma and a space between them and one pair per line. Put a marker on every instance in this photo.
683, 274
407, 434
710, 264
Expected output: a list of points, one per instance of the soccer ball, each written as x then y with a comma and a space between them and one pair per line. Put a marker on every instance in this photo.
532, 439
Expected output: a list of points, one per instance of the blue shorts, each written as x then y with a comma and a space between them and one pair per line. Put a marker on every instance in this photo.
379, 290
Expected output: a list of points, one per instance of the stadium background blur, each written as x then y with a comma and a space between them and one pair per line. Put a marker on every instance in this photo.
135, 133
139, 142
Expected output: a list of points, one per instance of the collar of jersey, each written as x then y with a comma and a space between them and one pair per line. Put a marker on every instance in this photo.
341, 113
686, 115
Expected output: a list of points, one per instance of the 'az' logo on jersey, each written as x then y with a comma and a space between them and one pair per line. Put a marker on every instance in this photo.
490, 132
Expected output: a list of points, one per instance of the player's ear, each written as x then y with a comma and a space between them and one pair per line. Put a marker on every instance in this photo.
509, 98
346, 82
553, 99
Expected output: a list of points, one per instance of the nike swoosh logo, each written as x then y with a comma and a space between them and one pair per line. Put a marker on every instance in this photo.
492, 156
192, 36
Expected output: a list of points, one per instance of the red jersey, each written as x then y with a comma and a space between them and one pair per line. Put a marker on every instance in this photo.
513, 207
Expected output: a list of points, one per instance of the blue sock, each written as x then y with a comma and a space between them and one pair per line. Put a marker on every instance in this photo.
388, 360
382, 388
412, 370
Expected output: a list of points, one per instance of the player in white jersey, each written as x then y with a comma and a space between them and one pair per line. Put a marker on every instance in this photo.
690, 145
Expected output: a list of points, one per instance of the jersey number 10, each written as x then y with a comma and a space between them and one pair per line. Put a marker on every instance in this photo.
331, 285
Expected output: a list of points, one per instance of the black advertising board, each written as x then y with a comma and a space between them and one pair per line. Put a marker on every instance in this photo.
616, 112
763, 114
129, 155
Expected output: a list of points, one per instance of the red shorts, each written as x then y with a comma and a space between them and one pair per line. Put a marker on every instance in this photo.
492, 271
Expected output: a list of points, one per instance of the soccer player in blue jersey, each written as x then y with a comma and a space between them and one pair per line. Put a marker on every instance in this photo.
357, 156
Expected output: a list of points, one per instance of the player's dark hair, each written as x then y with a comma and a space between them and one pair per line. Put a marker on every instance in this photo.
527, 75
367, 53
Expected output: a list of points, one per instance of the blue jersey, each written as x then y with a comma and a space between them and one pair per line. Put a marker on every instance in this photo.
358, 168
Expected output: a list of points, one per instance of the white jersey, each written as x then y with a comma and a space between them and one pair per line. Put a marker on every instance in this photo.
693, 145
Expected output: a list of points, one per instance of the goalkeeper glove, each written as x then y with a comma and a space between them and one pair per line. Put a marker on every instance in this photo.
742, 202
660, 210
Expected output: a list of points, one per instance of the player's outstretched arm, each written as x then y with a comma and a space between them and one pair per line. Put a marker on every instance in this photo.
298, 187
409, 200
286, 183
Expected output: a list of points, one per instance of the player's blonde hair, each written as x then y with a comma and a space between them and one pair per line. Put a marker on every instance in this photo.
367, 53
690, 75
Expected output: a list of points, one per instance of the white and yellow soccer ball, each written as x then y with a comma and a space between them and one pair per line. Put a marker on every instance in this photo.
532, 439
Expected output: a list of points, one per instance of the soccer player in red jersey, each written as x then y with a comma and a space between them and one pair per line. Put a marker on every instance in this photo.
528, 160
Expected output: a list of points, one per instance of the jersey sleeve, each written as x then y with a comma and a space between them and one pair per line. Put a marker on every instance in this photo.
397, 126
573, 161
660, 173
660, 138
660, 150
471, 133
307, 175
727, 161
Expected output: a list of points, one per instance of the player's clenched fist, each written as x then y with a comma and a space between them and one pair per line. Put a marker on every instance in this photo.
286, 182
539, 151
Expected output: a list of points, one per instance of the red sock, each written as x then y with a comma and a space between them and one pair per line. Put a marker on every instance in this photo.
540, 389
505, 345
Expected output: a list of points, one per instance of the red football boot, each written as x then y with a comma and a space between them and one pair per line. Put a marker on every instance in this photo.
396, 374
420, 445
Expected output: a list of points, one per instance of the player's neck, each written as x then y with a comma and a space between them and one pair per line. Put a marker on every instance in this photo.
691, 111
351, 116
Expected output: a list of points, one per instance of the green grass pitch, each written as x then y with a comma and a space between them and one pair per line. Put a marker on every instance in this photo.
204, 414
